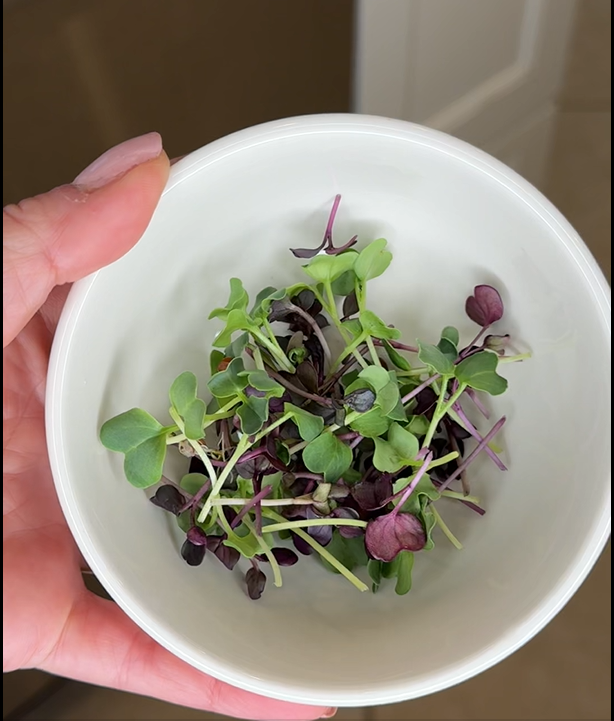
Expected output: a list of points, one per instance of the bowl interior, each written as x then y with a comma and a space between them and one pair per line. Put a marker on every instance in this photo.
453, 218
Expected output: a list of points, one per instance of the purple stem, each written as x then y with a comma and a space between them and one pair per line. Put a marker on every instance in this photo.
255, 501
348, 436
299, 392
483, 444
466, 351
406, 493
328, 233
469, 504
257, 481
356, 441
474, 432
478, 403
419, 389
398, 346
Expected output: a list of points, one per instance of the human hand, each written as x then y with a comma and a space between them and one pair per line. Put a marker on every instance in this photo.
51, 621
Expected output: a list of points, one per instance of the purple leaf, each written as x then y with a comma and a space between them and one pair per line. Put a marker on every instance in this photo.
170, 499
371, 495
228, 556
192, 554
283, 556
485, 306
301, 545
308, 376
322, 534
331, 250
256, 581
197, 536
348, 531
388, 535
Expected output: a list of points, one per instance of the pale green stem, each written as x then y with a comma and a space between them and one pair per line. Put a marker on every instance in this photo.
277, 581
175, 439
264, 502
197, 447
446, 531
443, 460
292, 525
326, 555
242, 446
514, 358
460, 497
273, 426
442, 409
373, 352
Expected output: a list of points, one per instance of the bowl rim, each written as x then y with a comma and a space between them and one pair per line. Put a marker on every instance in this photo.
400, 690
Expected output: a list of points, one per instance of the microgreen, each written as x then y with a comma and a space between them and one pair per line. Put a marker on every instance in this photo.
349, 456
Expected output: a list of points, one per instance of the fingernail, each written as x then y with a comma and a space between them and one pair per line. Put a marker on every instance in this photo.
330, 713
120, 160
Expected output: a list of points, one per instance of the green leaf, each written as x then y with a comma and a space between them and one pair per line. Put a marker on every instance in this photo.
238, 300
375, 326
375, 572
404, 564
264, 293
248, 545
227, 383
424, 490
353, 327
184, 400
344, 284
215, 358
236, 348
236, 320
143, 463
432, 357
351, 476
253, 412
397, 452
128, 430
398, 413
328, 455
418, 425
193, 482
261, 309
261, 381
373, 260
451, 334
448, 349
327, 268
388, 399
480, 372
396, 358
348, 551
376, 376
429, 522
184, 521
371, 424
309, 426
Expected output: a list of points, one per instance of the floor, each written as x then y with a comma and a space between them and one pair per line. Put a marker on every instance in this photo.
565, 672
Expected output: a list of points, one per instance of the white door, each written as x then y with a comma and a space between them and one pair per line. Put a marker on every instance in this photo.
486, 71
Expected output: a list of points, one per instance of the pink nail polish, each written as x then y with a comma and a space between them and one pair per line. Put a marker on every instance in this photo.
120, 160
330, 713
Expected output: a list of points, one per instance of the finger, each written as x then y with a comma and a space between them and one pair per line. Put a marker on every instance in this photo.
65, 234
101, 645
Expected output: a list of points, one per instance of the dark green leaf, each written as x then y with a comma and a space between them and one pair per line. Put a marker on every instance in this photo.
375, 326
418, 425
448, 349
238, 300
373, 260
227, 383
348, 551
376, 376
184, 400
236, 348
479, 371
396, 358
261, 381
327, 268
450, 333
432, 357
404, 563
309, 426
128, 430
143, 463
345, 283
328, 455
371, 424
193, 482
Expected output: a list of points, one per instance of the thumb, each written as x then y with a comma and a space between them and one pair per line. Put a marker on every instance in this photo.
64, 235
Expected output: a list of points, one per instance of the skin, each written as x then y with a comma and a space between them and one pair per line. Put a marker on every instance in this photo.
51, 621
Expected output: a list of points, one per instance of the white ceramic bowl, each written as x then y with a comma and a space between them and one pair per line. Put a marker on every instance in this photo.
454, 217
